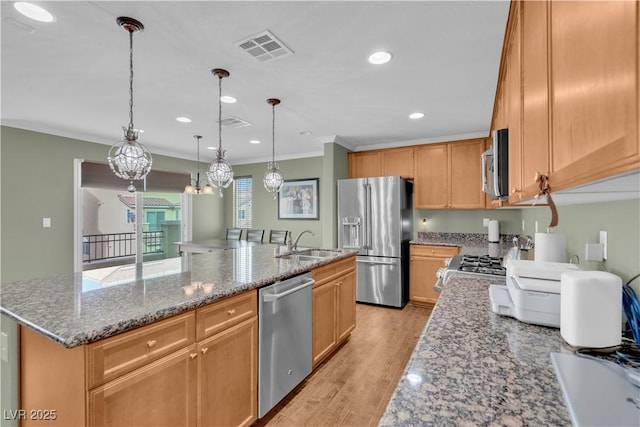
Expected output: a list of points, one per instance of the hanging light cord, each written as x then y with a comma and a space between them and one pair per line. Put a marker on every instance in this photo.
273, 135
219, 117
130, 79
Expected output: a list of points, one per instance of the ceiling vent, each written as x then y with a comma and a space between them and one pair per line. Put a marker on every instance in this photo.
264, 46
234, 122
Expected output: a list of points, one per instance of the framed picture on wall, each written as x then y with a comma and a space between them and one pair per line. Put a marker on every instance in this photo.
298, 199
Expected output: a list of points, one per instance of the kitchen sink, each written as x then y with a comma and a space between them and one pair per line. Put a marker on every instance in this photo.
308, 255
298, 257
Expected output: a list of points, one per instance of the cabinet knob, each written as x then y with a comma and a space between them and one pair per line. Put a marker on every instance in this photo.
231, 312
151, 343
193, 355
204, 350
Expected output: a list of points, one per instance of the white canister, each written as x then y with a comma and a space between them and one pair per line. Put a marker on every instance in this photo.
550, 247
494, 231
591, 308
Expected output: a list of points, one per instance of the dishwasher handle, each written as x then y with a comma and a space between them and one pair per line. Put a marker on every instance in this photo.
275, 297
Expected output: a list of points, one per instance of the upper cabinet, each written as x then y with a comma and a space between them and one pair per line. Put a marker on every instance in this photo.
389, 162
594, 90
448, 175
568, 92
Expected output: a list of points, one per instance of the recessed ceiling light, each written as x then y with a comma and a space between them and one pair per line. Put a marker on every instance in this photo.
416, 115
254, 141
212, 148
306, 132
228, 99
378, 58
33, 11
183, 119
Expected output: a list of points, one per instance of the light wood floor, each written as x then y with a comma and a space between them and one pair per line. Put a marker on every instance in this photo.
353, 387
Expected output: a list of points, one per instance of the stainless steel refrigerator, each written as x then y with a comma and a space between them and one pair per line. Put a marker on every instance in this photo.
375, 217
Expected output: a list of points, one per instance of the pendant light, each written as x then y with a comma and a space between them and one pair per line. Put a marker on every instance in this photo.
129, 159
220, 173
194, 185
273, 178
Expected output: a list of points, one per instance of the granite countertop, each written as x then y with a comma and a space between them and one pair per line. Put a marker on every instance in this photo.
81, 308
474, 367
469, 243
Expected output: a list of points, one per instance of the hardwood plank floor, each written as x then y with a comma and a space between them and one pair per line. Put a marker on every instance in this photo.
353, 387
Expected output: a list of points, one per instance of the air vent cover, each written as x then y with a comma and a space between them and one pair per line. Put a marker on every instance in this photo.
234, 122
264, 46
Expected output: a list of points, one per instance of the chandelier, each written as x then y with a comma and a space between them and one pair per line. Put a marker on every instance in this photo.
220, 173
129, 159
194, 185
273, 178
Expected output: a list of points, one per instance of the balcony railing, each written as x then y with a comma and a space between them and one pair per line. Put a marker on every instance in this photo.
98, 247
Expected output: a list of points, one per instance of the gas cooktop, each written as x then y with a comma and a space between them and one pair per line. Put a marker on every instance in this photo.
480, 264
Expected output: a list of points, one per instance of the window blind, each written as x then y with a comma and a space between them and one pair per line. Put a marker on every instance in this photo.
242, 202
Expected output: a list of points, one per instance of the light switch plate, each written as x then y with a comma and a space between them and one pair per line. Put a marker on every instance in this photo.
46, 222
4, 347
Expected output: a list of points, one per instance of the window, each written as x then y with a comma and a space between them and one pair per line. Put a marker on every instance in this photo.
242, 202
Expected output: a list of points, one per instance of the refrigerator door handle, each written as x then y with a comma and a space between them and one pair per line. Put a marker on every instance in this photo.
368, 218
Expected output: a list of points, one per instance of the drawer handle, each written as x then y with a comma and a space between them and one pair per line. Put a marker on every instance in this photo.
151, 343
204, 350
193, 355
231, 312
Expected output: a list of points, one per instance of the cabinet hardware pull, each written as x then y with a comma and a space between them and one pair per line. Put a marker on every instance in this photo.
231, 312
204, 350
193, 355
151, 343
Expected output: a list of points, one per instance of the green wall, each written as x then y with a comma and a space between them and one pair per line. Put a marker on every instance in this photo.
37, 172
466, 221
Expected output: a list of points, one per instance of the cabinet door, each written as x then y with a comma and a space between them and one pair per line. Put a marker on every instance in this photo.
398, 161
594, 74
324, 321
159, 394
466, 174
228, 377
515, 108
431, 176
346, 293
535, 98
365, 164
423, 279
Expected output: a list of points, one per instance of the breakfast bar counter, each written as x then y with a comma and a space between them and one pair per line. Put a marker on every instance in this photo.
82, 308
474, 367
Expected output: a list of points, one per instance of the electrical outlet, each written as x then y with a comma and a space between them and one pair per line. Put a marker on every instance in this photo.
593, 252
4, 347
485, 222
603, 242
46, 222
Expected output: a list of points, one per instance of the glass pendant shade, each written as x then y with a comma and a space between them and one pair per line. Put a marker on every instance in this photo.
273, 178
220, 172
129, 159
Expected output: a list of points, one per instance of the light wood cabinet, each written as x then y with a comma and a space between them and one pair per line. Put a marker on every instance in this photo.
388, 162
594, 90
227, 375
570, 74
156, 375
334, 309
424, 263
448, 175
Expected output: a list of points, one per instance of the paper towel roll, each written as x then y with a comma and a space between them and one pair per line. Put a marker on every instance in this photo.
494, 231
550, 247
591, 308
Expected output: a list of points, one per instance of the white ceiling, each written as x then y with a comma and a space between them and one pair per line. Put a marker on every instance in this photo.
70, 77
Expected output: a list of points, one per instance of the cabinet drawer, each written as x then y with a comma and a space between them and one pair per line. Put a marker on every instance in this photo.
337, 268
434, 251
112, 357
223, 314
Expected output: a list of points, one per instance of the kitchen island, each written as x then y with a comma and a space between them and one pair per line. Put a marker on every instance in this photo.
473, 367
170, 342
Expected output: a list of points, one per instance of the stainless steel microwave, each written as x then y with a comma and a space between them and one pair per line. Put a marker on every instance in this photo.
495, 166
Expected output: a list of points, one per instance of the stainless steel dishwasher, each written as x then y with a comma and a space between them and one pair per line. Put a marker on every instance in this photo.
284, 325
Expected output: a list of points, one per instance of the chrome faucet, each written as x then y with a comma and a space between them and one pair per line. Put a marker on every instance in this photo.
294, 247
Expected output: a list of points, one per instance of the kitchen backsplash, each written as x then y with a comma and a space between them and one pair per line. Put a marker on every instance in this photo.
462, 238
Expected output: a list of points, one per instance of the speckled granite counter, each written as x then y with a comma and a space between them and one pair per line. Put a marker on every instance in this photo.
470, 243
77, 309
473, 367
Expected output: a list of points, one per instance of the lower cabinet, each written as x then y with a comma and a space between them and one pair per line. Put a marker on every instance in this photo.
334, 307
424, 263
195, 369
